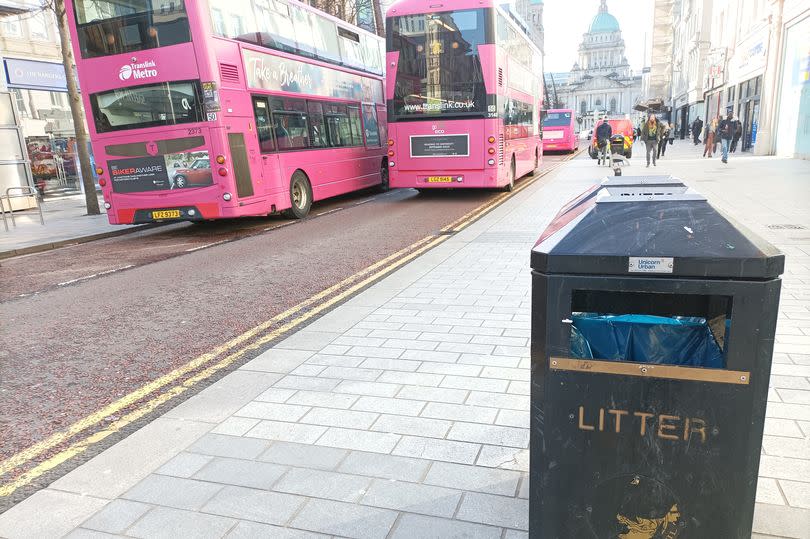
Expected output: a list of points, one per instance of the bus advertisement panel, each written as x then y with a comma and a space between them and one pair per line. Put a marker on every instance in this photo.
463, 96
216, 109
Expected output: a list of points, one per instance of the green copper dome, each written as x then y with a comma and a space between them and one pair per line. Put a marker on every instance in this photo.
604, 21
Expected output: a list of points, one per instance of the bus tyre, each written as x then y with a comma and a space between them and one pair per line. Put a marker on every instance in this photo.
384, 177
509, 187
180, 181
300, 196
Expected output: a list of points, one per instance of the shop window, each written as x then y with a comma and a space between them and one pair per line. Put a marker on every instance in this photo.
20, 100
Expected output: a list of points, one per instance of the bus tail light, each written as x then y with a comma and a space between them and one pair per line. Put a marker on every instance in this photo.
491, 139
107, 205
491, 151
102, 182
491, 162
390, 153
390, 142
390, 163
220, 159
99, 171
222, 171
226, 197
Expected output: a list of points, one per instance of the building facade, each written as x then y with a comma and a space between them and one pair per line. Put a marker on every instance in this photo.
758, 68
32, 71
601, 81
692, 20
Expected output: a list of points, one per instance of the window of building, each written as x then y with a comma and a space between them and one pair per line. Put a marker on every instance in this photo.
20, 100
613, 105
11, 27
38, 27
583, 107
56, 99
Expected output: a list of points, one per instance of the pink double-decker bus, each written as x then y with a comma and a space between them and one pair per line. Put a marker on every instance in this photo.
464, 91
211, 109
559, 130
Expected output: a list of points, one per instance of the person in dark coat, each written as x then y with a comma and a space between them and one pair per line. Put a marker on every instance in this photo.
737, 135
725, 131
697, 127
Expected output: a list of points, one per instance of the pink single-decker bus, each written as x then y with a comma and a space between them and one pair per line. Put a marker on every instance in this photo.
464, 91
212, 109
559, 130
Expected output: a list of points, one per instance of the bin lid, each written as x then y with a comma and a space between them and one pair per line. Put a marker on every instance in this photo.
651, 226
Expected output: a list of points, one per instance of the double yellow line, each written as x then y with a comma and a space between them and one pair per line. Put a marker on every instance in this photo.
183, 378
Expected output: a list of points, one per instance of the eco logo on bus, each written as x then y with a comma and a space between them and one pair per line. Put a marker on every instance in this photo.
144, 70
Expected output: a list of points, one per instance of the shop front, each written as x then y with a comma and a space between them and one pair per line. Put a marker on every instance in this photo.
744, 92
39, 90
748, 112
793, 127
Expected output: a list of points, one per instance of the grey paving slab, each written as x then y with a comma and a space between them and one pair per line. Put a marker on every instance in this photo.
256, 505
184, 465
305, 455
495, 510
255, 530
349, 419
438, 394
116, 516
48, 513
781, 521
435, 449
169, 523
376, 442
133, 458
322, 484
385, 466
412, 497
286, 432
425, 527
272, 410
277, 360
220, 445
235, 426
398, 406
84, 533
244, 473
473, 478
459, 412
174, 492
324, 399
345, 519
489, 434
419, 426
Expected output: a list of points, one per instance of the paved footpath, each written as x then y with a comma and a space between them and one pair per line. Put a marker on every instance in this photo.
404, 413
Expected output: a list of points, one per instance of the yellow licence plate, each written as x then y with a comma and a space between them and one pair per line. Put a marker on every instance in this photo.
166, 214
440, 179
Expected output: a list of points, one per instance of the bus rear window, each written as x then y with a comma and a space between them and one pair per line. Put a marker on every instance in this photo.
151, 105
108, 27
557, 119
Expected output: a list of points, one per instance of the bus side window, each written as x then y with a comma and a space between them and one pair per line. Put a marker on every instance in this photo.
370, 126
337, 120
317, 129
357, 132
263, 125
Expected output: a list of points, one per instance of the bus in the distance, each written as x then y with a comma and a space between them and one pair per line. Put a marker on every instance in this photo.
559, 130
213, 109
464, 91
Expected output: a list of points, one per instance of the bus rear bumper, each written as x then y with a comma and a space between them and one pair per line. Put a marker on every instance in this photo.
445, 179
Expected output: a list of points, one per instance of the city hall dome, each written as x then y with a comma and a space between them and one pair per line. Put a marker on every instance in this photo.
604, 21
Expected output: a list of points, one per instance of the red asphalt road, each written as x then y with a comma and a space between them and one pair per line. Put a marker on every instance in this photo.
73, 348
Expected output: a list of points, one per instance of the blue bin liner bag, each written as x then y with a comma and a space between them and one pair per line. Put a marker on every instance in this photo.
645, 339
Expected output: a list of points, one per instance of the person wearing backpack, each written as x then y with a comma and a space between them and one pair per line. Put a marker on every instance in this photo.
603, 133
726, 130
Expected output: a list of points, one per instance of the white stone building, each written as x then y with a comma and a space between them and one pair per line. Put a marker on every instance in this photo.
692, 21
601, 81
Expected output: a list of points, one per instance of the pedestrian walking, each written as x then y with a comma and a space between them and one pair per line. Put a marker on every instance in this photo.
726, 131
662, 142
603, 133
697, 127
737, 134
708, 138
651, 135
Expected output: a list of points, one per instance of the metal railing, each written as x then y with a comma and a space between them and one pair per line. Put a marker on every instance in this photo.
25, 192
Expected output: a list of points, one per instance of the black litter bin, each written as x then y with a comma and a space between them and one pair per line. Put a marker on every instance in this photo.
653, 320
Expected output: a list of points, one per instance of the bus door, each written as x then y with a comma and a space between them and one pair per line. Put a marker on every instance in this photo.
266, 144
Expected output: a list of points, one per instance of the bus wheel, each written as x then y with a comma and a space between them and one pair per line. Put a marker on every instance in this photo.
509, 187
180, 181
300, 196
384, 185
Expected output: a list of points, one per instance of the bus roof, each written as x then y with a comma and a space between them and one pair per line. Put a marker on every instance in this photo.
411, 7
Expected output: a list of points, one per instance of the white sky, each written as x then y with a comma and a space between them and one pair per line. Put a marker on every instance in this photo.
566, 20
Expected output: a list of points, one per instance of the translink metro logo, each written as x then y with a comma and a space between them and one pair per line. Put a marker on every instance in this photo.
144, 70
